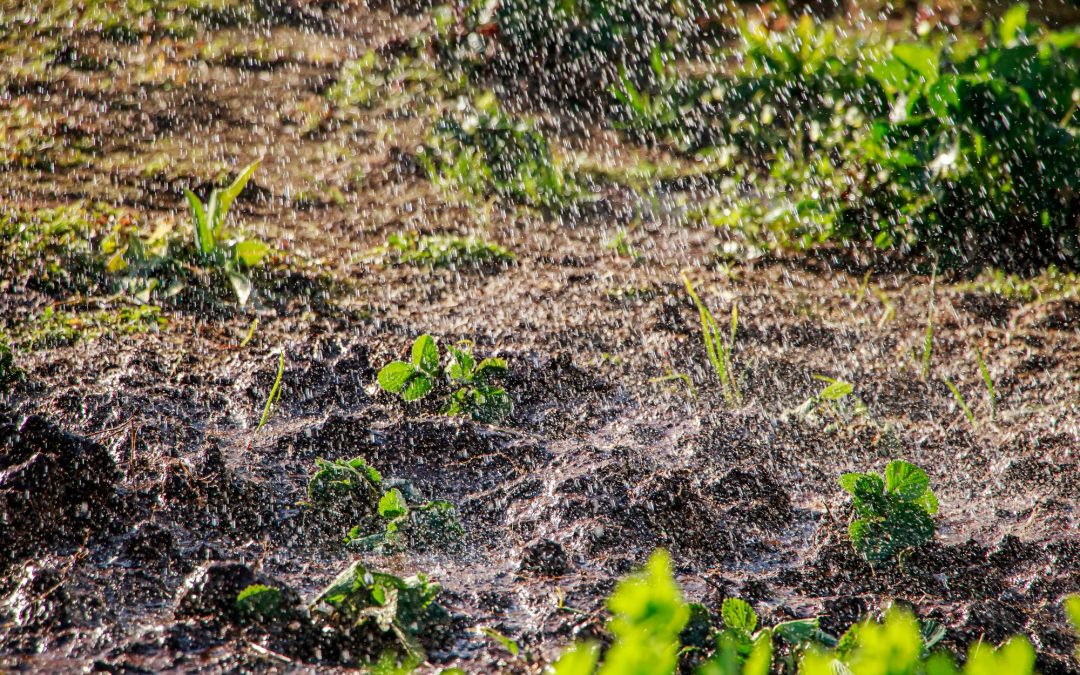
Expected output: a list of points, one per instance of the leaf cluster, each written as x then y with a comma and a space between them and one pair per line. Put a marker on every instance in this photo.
214, 245
476, 391
894, 514
393, 516
375, 607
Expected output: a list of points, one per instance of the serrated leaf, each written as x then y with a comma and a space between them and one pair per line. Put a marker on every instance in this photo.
836, 391
489, 370
739, 615
418, 387
425, 354
395, 375
905, 480
392, 505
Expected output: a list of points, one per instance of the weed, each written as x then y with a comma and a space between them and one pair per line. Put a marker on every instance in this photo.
377, 608
10, 373
894, 515
485, 151
211, 242
928, 336
621, 244
718, 351
445, 251
389, 514
961, 401
275, 391
507, 643
477, 395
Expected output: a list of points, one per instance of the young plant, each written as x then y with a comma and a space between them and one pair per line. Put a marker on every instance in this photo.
894, 514
9, 372
413, 380
211, 241
718, 352
275, 391
381, 610
961, 401
393, 516
836, 400
477, 393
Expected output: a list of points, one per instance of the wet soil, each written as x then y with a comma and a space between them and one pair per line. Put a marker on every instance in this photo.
132, 470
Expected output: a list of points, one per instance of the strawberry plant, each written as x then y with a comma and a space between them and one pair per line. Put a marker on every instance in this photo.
477, 393
389, 515
212, 243
9, 372
381, 611
894, 514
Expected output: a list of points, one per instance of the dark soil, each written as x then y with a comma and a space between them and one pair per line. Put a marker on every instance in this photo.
138, 496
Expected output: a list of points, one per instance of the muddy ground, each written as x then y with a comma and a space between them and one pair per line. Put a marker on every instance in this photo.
130, 462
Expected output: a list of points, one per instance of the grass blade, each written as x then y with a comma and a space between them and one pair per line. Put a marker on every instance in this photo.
715, 348
960, 399
204, 236
275, 392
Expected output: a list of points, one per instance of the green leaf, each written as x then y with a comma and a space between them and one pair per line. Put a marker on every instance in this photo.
849, 480
425, 354
259, 601
1012, 24
418, 387
905, 480
204, 235
836, 391
507, 643
241, 285
395, 375
922, 59
578, 660
251, 252
463, 364
489, 370
798, 630
928, 501
227, 195
392, 505
739, 615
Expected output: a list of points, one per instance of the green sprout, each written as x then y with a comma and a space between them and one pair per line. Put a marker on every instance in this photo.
212, 242
894, 514
477, 394
718, 351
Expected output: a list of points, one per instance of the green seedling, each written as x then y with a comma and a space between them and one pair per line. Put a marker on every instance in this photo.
477, 395
836, 400
894, 515
381, 607
9, 372
393, 515
275, 391
928, 337
413, 380
211, 241
649, 634
961, 401
718, 351
1072, 610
